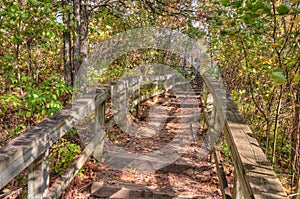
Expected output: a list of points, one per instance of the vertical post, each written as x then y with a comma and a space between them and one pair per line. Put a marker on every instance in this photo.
137, 97
165, 87
173, 82
122, 105
203, 106
237, 192
155, 98
38, 176
99, 123
221, 175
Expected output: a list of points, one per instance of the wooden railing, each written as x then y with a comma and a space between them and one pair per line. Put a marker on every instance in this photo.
32, 148
254, 176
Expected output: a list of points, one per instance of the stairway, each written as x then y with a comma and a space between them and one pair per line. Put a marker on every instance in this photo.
135, 174
133, 169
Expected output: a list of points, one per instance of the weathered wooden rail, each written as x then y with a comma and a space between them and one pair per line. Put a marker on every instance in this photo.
254, 176
32, 148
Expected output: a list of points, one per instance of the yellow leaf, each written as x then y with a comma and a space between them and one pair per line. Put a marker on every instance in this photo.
259, 11
275, 45
297, 19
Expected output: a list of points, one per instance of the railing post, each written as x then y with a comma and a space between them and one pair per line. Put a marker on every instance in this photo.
205, 103
221, 174
173, 82
237, 189
38, 177
165, 86
99, 123
155, 90
121, 104
136, 97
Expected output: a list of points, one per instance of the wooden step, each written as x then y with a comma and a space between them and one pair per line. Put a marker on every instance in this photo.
132, 191
128, 191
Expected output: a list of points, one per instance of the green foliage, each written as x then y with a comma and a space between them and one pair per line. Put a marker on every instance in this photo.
30, 59
225, 149
283, 9
44, 98
72, 132
278, 77
226, 152
296, 78
62, 155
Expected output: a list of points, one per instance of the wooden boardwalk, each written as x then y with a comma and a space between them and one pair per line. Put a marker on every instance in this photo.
190, 175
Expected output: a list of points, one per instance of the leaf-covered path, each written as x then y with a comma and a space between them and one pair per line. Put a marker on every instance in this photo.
190, 176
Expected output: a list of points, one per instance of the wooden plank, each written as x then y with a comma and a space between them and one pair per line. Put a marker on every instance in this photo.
152, 78
122, 160
136, 96
221, 174
127, 82
99, 123
237, 192
144, 97
126, 190
38, 176
23, 150
256, 175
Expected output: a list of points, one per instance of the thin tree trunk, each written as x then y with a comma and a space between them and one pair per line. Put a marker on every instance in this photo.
276, 125
296, 142
84, 24
29, 66
267, 137
81, 43
76, 52
68, 69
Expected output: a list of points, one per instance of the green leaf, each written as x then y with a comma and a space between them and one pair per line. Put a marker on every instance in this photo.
268, 8
35, 95
28, 114
283, 9
224, 32
225, 2
259, 5
278, 77
24, 78
296, 78
236, 4
296, 10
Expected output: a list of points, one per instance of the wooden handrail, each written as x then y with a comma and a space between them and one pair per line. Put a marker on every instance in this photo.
32, 148
254, 176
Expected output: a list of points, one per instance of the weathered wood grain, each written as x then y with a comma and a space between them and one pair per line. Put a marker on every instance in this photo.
38, 176
23, 150
257, 177
221, 174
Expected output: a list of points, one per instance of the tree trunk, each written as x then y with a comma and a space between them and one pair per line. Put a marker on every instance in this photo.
68, 69
81, 43
84, 24
76, 49
296, 141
